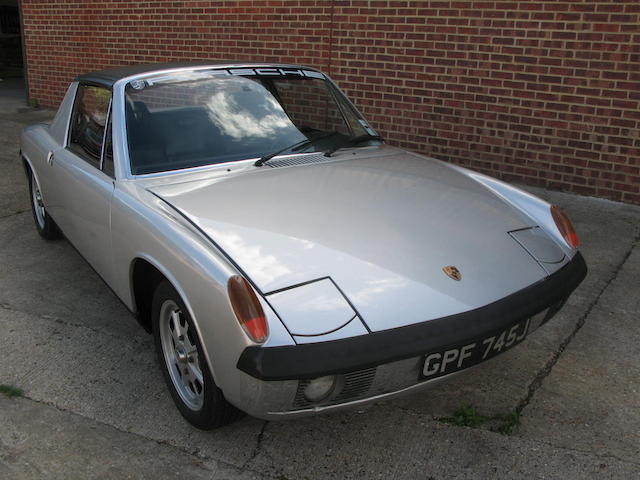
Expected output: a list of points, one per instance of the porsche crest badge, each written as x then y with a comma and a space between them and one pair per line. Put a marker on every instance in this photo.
452, 272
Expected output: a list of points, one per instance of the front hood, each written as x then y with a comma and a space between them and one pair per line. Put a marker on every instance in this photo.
381, 224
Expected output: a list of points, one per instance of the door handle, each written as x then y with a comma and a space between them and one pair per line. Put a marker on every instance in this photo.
50, 158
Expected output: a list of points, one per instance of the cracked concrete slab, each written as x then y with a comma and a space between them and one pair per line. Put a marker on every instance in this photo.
591, 399
38, 441
386, 442
111, 378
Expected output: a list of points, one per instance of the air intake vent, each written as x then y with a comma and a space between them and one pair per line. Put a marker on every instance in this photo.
355, 385
297, 160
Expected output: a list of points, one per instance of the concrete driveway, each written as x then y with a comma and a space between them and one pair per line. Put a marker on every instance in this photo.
94, 403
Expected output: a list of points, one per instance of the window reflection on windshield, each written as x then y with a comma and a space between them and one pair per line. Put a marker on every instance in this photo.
183, 121
250, 112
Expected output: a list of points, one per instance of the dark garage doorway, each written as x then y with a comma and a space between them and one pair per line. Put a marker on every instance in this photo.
11, 57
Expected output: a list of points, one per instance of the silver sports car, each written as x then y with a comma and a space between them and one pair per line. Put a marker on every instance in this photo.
287, 260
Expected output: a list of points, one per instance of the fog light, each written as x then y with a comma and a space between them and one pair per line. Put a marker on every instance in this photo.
319, 388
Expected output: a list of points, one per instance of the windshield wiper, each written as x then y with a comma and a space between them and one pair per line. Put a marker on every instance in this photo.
294, 148
352, 141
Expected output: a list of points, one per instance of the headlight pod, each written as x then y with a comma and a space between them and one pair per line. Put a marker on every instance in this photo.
537, 209
565, 226
247, 308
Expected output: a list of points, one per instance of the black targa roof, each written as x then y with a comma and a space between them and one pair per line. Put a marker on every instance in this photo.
110, 76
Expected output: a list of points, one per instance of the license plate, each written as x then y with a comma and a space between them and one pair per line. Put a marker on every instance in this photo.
437, 364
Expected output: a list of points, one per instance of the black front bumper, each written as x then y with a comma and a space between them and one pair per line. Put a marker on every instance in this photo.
355, 353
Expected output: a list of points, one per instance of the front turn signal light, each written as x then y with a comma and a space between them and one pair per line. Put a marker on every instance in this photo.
565, 226
247, 308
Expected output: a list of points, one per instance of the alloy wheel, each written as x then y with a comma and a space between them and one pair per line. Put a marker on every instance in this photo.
181, 355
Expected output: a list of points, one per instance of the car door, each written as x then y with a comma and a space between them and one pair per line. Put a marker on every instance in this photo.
83, 173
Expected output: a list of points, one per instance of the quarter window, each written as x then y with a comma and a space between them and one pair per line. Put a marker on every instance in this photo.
88, 122
107, 165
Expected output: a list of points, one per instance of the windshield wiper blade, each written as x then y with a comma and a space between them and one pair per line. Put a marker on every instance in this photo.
352, 141
295, 147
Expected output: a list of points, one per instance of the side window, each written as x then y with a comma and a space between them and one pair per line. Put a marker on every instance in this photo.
88, 122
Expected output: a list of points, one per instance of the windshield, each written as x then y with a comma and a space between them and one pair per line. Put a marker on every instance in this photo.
190, 119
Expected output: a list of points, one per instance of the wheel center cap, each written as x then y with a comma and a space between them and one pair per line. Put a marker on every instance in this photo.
181, 355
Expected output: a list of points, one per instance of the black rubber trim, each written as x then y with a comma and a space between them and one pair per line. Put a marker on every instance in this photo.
340, 356
110, 76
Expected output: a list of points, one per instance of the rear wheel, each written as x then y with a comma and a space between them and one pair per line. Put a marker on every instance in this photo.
183, 364
45, 225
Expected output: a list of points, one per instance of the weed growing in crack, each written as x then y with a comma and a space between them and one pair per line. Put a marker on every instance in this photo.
468, 416
10, 391
510, 422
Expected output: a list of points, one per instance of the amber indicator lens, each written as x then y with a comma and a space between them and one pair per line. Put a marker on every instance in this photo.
565, 226
247, 308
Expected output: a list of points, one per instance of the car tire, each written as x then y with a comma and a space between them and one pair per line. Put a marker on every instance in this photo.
45, 225
183, 364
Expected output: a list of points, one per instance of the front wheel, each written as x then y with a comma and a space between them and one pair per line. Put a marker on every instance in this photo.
183, 364
45, 225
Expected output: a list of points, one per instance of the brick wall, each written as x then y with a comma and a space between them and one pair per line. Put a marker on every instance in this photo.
540, 92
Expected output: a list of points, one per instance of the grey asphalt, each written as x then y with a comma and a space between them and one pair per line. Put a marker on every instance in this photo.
95, 405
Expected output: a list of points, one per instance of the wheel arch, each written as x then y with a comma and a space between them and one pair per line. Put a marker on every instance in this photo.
142, 266
29, 170
27, 165
145, 278
145, 273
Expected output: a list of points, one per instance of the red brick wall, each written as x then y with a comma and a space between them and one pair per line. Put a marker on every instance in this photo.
540, 92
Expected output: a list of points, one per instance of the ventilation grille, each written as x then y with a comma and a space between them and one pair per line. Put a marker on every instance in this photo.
297, 160
355, 385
